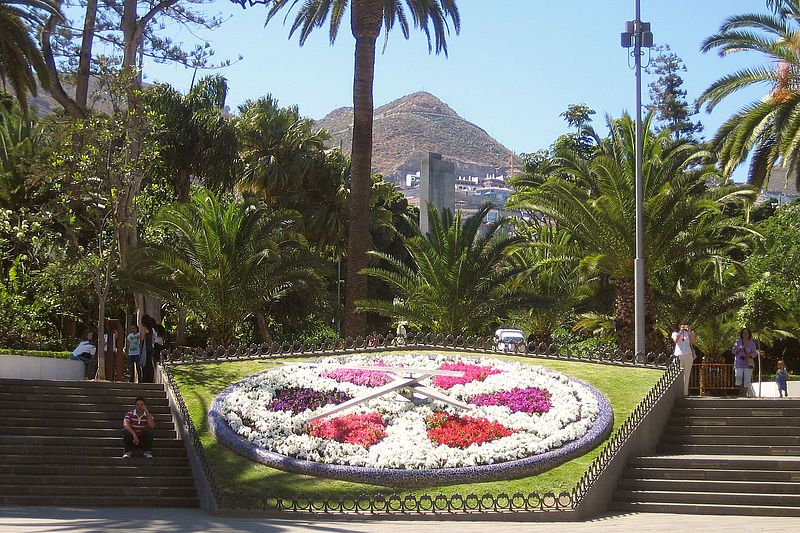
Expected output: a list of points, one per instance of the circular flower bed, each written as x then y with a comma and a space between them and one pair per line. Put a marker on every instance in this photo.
522, 419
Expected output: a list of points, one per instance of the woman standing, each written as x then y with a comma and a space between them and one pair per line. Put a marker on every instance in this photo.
683, 338
744, 354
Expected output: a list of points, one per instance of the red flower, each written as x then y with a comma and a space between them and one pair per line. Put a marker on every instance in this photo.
362, 429
463, 431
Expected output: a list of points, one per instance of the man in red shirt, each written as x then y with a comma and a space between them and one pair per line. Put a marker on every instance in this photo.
137, 429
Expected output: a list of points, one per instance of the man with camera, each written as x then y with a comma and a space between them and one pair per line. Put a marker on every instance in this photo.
684, 338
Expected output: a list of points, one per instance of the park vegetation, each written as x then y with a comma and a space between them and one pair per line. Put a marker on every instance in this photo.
245, 226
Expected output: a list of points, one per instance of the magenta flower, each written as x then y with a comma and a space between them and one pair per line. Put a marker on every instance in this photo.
471, 373
528, 400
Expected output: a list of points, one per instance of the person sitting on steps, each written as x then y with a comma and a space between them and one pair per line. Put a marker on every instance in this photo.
85, 352
137, 430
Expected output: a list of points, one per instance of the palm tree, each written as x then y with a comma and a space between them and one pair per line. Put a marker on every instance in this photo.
224, 262
367, 18
594, 202
280, 149
21, 61
285, 162
20, 136
459, 281
768, 128
550, 272
197, 138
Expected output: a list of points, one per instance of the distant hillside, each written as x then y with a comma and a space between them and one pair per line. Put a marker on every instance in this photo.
413, 125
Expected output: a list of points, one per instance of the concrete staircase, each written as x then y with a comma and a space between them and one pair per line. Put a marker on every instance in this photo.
720, 456
61, 445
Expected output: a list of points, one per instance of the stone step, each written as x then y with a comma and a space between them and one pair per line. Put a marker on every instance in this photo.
111, 473
708, 462
89, 385
704, 509
763, 412
738, 402
60, 407
765, 476
31, 443
713, 486
7, 425
113, 479
56, 461
90, 502
728, 430
72, 450
722, 449
739, 440
122, 489
161, 431
715, 498
70, 393
793, 421
112, 417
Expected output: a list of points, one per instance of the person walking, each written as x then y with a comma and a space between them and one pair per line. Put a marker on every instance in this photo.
744, 354
684, 337
134, 352
146, 344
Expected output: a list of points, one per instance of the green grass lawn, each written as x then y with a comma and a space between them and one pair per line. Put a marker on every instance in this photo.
242, 479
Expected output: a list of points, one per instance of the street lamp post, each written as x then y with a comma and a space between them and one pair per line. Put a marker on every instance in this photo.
637, 35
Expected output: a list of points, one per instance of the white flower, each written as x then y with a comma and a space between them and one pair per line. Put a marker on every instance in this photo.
406, 445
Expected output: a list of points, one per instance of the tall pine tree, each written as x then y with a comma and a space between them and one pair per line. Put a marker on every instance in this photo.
668, 98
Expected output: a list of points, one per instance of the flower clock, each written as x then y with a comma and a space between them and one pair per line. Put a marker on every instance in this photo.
411, 419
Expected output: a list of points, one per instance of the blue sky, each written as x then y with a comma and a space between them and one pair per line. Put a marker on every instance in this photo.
515, 66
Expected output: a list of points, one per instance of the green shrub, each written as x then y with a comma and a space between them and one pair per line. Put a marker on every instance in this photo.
35, 353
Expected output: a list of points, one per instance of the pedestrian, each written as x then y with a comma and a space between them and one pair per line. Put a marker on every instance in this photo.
146, 335
137, 430
159, 342
401, 333
134, 353
86, 352
744, 354
781, 376
684, 337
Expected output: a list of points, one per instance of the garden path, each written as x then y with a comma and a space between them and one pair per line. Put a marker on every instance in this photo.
35, 519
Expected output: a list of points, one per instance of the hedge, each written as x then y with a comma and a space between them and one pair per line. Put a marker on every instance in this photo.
35, 353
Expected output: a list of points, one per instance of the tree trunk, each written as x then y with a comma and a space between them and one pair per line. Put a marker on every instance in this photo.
263, 329
55, 88
183, 186
625, 318
365, 22
180, 328
85, 55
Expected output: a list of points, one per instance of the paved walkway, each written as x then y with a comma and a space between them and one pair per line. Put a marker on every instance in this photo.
30, 519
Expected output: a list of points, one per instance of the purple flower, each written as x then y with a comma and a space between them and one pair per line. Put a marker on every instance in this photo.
298, 399
528, 400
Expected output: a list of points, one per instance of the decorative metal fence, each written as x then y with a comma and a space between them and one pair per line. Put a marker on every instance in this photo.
329, 346
621, 436
399, 504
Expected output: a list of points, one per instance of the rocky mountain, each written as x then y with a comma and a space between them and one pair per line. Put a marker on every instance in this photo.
411, 126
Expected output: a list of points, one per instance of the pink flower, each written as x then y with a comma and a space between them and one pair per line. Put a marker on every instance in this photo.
471, 373
365, 378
